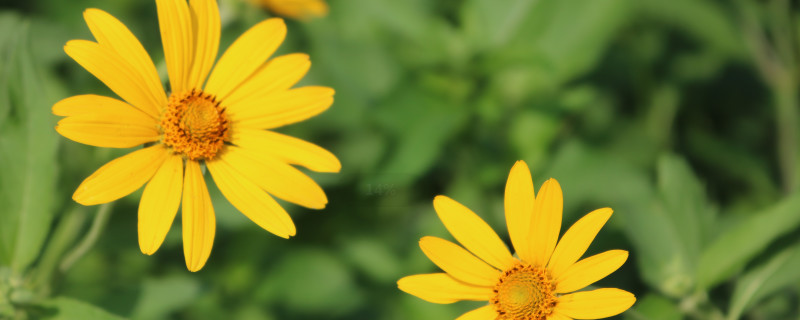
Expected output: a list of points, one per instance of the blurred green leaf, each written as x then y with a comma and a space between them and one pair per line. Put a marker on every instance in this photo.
313, 282
685, 202
779, 271
707, 21
373, 258
71, 309
8, 46
489, 24
739, 244
602, 178
422, 123
28, 143
562, 39
654, 307
162, 296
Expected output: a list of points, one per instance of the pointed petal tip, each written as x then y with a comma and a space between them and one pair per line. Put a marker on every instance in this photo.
520, 164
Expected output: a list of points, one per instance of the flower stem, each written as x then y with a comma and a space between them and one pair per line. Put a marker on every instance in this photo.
98, 224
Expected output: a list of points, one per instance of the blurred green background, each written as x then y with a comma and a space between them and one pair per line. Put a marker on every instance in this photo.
681, 115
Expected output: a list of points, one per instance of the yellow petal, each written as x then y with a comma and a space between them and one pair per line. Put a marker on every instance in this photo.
111, 33
199, 224
558, 316
276, 177
114, 72
590, 270
281, 108
246, 55
546, 222
159, 204
287, 149
110, 130
595, 304
298, 9
205, 19
121, 176
458, 262
177, 36
253, 202
91, 104
278, 74
576, 240
519, 199
441, 288
482, 313
473, 233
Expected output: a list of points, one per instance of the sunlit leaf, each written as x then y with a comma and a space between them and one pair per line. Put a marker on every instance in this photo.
779, 271
739, 244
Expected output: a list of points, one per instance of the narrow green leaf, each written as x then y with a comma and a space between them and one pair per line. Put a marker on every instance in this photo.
738, 245
777, 272
71, 309
28, 142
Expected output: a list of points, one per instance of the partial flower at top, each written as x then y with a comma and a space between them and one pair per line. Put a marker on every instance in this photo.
222, 123
297, 9
542, 282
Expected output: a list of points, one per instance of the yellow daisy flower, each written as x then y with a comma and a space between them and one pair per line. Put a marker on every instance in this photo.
220, 123
539, 283
297, 9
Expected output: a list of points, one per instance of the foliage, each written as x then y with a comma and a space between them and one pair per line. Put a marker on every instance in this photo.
682, 116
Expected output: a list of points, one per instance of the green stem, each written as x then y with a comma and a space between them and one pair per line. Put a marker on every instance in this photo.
66, 232
787, 115
776, 64
99, 223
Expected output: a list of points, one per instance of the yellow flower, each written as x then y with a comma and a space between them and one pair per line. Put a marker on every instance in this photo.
297, 9
220, 123
540, 283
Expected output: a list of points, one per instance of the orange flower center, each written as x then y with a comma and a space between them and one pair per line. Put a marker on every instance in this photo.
524, 292
194, 125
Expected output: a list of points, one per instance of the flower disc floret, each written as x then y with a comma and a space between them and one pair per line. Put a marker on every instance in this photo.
524, 292
194, 124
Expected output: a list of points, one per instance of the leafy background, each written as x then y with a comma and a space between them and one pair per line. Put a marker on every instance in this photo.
681, 115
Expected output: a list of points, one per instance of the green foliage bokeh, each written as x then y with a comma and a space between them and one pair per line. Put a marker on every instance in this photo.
680, 115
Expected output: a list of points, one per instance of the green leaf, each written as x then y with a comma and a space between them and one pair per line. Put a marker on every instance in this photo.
739, 244
28, 143
779, 271
8, 42
654, 307
684, 200
603, 179
71, 309
313, 282
489, 24
162, 296
422, 124
560, 39
706, 21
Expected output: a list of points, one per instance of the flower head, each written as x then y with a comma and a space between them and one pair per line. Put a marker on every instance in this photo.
541, 282
220, 121
297, 9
